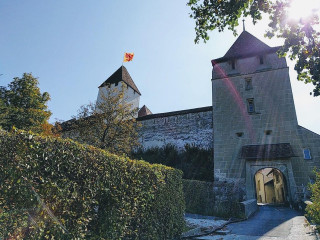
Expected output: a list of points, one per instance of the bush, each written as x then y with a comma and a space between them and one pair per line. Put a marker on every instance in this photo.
313, 210
195, 163
211, 198
58, 189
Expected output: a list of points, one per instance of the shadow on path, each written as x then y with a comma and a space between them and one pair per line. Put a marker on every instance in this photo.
273, 221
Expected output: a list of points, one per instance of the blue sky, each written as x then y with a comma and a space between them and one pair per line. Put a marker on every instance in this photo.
73, 46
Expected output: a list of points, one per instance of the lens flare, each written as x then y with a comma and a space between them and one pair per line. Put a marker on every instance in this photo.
303, 8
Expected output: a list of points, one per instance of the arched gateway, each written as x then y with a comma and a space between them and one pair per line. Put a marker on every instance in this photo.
270, 186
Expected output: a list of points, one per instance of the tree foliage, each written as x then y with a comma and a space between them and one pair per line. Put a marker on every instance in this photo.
301, 38
23, 105
109, 124
313, 210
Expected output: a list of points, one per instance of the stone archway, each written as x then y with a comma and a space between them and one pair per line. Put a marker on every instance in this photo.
271, 186
252, 167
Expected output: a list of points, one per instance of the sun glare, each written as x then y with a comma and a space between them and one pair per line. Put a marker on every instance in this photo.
303, 8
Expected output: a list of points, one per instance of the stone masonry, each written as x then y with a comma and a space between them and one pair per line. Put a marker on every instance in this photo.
193, 127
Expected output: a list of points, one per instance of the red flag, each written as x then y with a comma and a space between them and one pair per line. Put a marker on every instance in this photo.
128, 57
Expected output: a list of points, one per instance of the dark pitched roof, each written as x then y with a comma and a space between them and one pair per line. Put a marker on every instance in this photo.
246, 45
267, 151
144, 111
121, 74
168, 114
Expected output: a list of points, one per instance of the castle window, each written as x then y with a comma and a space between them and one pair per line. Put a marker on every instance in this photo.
261, 59
306, 154
233, 64
251, 108
248, 83
239, 134
268, 132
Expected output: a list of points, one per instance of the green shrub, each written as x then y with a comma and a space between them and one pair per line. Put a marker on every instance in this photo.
195, 163
313, 210
58, 189
213, 199
199, 197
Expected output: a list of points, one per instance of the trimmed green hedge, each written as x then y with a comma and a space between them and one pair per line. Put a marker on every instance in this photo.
58, 189
195, 163
212, 199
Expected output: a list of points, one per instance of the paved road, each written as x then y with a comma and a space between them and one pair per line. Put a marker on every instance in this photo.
270, 223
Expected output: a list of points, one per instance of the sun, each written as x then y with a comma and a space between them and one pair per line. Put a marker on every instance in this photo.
303, 8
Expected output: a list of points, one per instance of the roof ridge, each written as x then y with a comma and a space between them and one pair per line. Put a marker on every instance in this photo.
246, 45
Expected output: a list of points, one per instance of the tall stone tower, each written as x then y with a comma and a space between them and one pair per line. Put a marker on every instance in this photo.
132, 93
254, 118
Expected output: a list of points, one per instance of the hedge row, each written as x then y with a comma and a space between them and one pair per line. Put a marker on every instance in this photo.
58, 189
212, 199
195, 163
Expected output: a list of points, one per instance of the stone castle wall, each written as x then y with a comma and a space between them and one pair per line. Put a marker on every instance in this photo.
193, 126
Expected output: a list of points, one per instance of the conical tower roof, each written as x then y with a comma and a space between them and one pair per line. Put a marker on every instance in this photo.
246, 45
121, 74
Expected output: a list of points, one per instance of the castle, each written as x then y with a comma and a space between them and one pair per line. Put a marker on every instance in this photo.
251, 125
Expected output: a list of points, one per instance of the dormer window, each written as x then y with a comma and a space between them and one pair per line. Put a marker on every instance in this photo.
261, 59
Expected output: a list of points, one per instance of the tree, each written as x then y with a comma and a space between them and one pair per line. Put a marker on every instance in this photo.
302, 40
313, 210
109, 124
23, 105
3, 112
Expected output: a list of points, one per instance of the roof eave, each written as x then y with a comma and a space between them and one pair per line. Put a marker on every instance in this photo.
226, 59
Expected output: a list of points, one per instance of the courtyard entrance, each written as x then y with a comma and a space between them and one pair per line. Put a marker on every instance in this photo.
270, 186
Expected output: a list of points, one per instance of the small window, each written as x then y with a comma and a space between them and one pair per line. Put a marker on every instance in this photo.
259, 185
306, 154
268, 132
233, 64
239, 134
251, 108
261, 59
116, 84
248, 83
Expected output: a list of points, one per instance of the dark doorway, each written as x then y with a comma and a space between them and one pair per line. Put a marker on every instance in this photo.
270, 186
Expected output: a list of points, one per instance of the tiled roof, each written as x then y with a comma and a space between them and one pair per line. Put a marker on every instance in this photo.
121, 74
246, 45
267, 151
168, 114
144, 111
